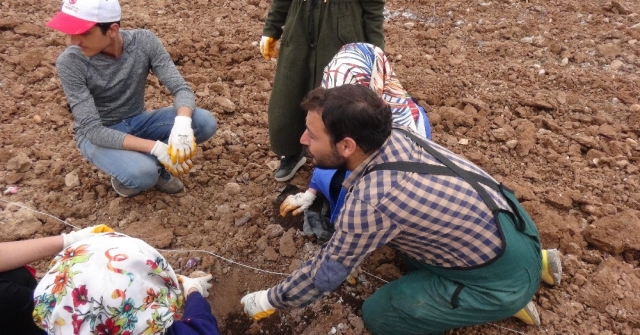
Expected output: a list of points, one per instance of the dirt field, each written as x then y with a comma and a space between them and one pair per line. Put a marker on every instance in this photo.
542, 94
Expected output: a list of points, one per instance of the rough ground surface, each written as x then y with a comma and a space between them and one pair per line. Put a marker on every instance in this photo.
542, 94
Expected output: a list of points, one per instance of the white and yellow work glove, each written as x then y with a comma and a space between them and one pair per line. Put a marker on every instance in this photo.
78, 235
182, 142
297, 203
201, 283
256, 305
268, 47
161, 151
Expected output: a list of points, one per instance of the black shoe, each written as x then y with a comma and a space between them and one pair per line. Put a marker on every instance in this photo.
123, 190
289, 166
168, 183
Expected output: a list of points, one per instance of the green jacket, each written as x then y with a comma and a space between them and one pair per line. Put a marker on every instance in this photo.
313, 32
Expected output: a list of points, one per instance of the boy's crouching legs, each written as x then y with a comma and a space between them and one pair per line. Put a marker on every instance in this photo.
204, 125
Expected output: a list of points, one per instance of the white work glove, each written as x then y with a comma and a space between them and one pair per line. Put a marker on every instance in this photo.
200, 283
297, 203
78, 235
256, 305
268, 47
161, 151
182, 143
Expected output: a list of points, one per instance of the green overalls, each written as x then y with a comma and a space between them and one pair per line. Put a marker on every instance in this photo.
433, 299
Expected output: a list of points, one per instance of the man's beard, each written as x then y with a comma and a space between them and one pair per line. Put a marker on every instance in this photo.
332, 161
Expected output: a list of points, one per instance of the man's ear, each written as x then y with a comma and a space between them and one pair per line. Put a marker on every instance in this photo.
347, 146
114, 30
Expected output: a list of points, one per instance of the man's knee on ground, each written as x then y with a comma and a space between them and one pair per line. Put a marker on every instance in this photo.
371, 317
204, 125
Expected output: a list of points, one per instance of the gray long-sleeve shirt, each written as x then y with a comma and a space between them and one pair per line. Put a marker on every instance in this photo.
103, 90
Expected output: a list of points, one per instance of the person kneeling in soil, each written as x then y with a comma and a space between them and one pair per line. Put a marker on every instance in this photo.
475, 250
366, 65
103, 74
111, 283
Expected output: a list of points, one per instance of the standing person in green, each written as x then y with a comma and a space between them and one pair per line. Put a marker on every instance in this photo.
311, 33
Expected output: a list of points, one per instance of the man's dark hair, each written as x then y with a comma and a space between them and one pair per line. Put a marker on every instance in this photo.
352, 111
104, 26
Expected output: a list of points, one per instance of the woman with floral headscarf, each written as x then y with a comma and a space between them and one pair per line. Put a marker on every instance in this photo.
111, 283
366, 65
17, 278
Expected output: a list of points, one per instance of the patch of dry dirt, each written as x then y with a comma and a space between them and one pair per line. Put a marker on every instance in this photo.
542, 94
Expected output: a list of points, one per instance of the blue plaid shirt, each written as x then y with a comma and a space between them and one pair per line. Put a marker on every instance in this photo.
438, 220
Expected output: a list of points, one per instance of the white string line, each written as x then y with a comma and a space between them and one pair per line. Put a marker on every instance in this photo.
374, 276
229, 260
226, 259
505, 328
166, 250
33, 210
179, 251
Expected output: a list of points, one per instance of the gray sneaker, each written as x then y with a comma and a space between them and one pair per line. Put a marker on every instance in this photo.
123, 190
168, 184
529, 314
551, 267
289, 166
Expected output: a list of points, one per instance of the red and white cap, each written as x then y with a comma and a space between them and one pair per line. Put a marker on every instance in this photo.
78, 16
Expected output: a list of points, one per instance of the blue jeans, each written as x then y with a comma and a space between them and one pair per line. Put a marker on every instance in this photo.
138, 170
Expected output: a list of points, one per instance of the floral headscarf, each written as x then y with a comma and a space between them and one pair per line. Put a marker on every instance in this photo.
108, 284
367, 65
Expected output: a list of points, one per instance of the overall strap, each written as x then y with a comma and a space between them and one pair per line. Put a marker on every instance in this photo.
436, 170
454, 170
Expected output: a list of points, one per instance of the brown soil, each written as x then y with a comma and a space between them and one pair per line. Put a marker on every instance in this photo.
542, 94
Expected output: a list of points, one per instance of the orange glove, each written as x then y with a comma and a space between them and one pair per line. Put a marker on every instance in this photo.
297, 203
268, 47
102, 228
77, 236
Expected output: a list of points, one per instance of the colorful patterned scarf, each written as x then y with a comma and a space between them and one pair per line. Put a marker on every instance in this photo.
108, 284
367, 65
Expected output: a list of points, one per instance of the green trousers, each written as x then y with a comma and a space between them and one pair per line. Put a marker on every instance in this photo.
431, 300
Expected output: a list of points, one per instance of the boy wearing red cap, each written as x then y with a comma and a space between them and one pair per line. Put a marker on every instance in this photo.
103, 74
